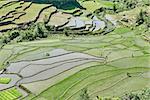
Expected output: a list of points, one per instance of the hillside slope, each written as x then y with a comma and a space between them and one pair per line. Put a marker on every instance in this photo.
56, 50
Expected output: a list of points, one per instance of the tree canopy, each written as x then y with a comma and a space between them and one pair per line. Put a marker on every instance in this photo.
61, 4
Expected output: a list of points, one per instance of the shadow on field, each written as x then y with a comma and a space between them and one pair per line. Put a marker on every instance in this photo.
60, 4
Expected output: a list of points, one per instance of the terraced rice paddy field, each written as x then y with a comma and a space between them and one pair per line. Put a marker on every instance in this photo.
13, 14
18, 14
60, 67
10, 94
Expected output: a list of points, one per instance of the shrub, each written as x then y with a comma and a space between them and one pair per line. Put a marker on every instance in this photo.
84, 95
139, 95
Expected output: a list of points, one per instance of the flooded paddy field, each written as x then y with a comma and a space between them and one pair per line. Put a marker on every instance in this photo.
72, 63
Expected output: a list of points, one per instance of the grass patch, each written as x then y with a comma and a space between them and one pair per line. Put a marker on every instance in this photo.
10, 94
122, 30
4, 80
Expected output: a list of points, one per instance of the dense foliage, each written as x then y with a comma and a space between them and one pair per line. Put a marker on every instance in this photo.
142, 95
143, 18
84, 95
62, 4
139, 95
35, 32
121, 5
31, 33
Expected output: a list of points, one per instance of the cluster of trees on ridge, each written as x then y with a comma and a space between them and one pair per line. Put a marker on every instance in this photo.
121, 5
36, 32
33, 32
62, 4
143, 18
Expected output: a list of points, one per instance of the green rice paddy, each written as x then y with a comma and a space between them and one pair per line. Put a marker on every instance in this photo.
126, 54
10, 94
123, 53
5, 80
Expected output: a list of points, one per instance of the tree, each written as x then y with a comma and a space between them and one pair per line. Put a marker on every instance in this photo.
140, 18
84, 95
47, 54
45, 19
114, 7
44, 30
66, 31
5, 40
147, 22
146, 2
128, 74
37, 31
137, 95
13, 35
40, 31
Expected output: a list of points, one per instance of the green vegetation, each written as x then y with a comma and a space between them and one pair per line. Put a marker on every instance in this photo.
32, 31
5, 80
138, 95
108, 98
84, 94
35, 32
61, 4
10, 94
143, 18
121, 46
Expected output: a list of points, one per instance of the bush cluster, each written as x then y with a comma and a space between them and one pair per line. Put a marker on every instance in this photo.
36, 32
33, 32
140, 95
121, 5
143, 18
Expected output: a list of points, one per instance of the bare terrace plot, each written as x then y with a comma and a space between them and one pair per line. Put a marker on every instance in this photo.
13, 16
6, 3
59, 19
10, 13
46, 14
31, 13
7, 9
9, 26
3, 2
17, 13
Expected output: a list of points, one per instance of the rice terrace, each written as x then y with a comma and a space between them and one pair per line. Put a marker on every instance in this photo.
74, 49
